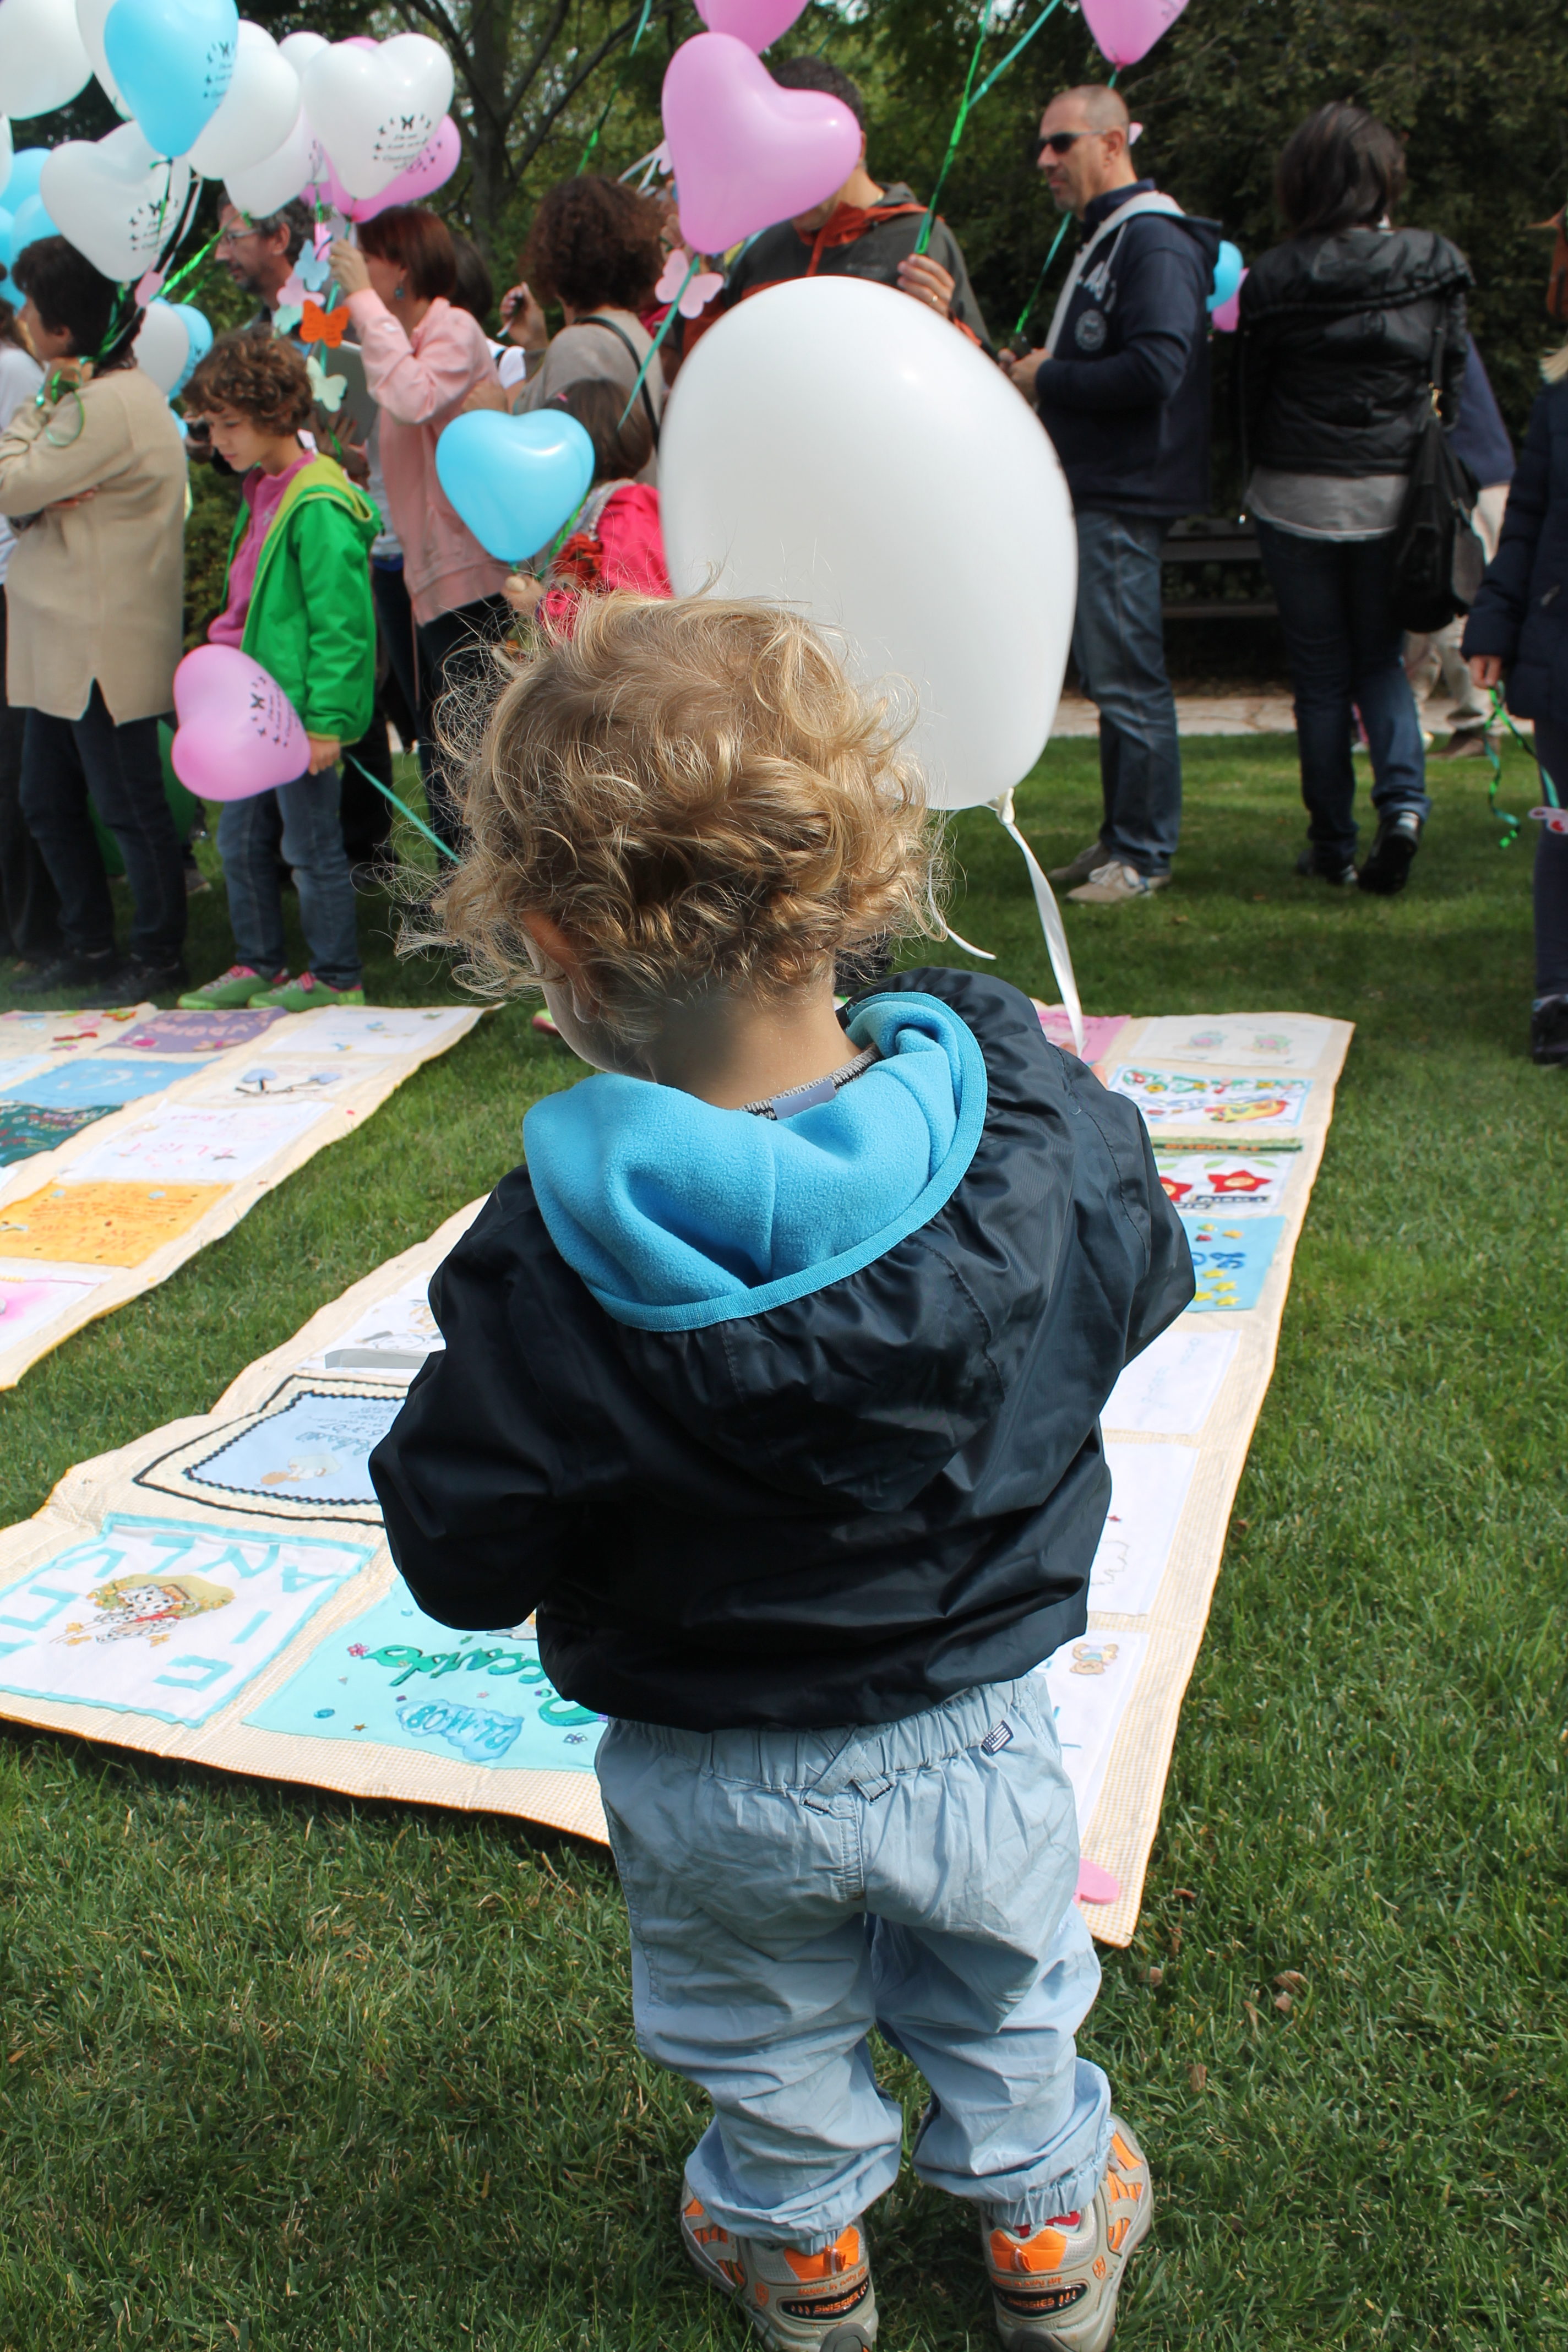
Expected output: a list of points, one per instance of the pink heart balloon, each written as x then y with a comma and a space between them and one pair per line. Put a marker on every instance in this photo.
1227, 318
1126, 30
239, 733
758, 23
431, 168
746, 152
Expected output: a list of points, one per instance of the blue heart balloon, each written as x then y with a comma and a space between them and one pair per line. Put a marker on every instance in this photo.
25, 165
174, 60
199, 330
1226, 274
515, 479
29, 222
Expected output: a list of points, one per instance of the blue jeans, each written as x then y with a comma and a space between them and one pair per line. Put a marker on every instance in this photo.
788, 1891
1344, 648
312, 844
1119, 646
63, 761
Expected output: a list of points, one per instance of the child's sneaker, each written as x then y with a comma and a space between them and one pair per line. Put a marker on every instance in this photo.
231, 991
307, 993
1055, 2288
797, 2302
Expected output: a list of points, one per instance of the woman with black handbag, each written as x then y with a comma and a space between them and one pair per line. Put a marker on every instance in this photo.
1353, 337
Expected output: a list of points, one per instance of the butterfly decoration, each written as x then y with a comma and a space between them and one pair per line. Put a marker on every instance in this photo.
690, 288
327, 389
286, 318
311, 271
318, 326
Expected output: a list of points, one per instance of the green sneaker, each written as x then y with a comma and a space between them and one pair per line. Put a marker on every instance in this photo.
797, 2302
232, 989
307, 994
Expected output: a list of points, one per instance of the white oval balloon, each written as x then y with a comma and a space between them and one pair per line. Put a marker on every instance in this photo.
266, 187
375, 110
833, 445
90, 17
162, 345
7, 149
117, 202
301, 47
43, 62
259, 109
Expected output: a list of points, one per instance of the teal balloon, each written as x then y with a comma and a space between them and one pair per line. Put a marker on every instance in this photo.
29, 222
25, 165
174, 60
515, 479
5, 227
201, 339
1226, 274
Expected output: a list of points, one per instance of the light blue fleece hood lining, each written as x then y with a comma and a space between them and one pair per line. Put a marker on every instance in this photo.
678, 1215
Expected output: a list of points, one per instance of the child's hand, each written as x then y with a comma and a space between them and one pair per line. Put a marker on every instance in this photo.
325, 750
523, 592
1486, 669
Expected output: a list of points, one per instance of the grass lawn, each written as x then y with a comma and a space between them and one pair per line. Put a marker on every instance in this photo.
290, 2071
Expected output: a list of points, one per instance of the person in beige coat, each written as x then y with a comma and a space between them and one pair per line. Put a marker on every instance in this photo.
92, 475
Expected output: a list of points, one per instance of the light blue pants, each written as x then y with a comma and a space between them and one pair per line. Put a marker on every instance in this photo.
790, 1890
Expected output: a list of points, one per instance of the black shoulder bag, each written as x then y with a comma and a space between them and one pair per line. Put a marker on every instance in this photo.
621, 336
1438, 559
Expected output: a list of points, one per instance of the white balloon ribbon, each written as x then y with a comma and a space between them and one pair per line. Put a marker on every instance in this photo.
1050, 922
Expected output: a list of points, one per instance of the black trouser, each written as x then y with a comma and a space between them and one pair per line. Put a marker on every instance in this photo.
63, 761
29, 904
366, 816
456, 657
1551, 870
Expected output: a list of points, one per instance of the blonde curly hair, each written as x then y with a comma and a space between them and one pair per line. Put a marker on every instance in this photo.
695, 792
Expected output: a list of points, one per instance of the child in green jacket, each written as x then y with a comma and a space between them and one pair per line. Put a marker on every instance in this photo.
296, 596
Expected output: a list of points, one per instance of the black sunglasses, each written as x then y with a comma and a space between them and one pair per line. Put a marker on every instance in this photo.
1059, 142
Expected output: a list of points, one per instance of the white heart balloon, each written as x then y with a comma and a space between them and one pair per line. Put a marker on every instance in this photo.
375, 110
259, 109
162, 345
43, 60
117, 202
266, 187
834, 445
300, 47
7, 149
90, 17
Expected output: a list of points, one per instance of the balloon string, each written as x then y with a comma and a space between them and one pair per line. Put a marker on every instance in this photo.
1015, 51
924, 240
1051, 923
1506, 817
417, 823
664, 326
615, 92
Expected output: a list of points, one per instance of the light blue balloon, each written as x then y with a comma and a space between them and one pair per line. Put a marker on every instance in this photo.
29, 222
174, 60
201, 340
1226, 274
6, 225
515, 479
25, 165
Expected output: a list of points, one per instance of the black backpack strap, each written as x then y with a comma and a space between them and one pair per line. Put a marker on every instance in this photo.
594, 320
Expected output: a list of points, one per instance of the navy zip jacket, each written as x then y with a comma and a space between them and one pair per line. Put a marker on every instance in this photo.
1126, 400
838, 1494
1520, 613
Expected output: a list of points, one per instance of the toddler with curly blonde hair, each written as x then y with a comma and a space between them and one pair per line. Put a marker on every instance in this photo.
773, 1384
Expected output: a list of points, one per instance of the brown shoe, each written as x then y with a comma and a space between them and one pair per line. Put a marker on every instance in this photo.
1081, 867
1464, 743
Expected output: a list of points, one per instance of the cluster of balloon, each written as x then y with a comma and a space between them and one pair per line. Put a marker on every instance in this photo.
236, 732
836, 446
24, 217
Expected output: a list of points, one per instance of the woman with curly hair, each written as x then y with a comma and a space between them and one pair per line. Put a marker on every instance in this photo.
596, 248
296, 597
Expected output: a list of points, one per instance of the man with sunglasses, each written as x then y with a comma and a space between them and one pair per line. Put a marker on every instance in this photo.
1122, 388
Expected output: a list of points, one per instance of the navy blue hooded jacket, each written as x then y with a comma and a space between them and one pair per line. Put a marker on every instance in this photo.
837, 1497
1522, 611
1126, 401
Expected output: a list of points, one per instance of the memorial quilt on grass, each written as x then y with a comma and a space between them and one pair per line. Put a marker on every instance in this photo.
130, 1140
220, 1589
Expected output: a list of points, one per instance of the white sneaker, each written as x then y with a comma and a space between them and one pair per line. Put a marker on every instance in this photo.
1054, 2289
1112, 884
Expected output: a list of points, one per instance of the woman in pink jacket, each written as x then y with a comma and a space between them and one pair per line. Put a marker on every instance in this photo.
422, 359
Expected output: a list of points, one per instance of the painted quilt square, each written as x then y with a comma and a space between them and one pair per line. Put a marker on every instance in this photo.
102, 1224
192, 1032
1231, 1258
103, 1078
28, 1129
